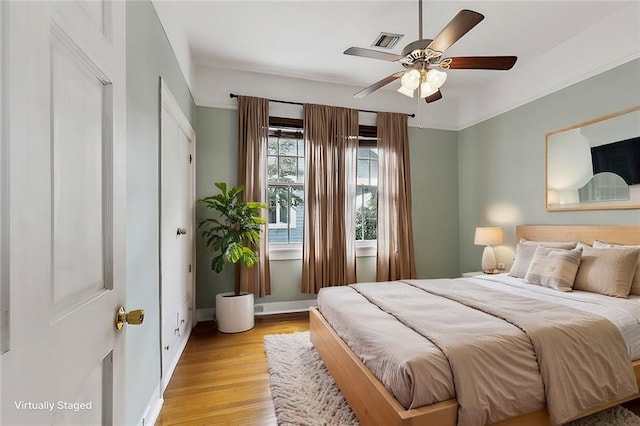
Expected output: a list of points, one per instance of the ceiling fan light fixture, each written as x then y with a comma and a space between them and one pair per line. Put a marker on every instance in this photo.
436, 78
411, 80
422, 56
405, 91
427, 90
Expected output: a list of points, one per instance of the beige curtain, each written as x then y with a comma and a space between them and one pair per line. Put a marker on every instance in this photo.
253, 136
331, 143
395, 230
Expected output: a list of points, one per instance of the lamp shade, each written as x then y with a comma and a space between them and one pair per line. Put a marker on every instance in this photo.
406, 91
411, 79
436, 78
426, 90
488, 236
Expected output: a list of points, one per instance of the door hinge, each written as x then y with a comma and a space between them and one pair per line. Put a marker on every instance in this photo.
190, 159
189, 267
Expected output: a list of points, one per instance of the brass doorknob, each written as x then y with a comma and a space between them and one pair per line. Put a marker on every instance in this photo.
133, 317
182, 231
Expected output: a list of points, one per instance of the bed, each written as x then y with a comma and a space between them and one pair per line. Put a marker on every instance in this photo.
373, 403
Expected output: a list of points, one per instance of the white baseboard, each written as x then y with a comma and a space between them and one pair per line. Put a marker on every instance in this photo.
154, 406
263, 309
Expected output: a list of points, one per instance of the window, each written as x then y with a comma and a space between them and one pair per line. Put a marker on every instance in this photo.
285, 181
367, 188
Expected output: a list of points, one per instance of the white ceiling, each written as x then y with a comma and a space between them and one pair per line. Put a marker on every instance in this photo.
305, 39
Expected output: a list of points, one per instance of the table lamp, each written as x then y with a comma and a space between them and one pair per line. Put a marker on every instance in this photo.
488, 236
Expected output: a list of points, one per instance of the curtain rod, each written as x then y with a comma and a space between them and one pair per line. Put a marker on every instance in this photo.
233, 95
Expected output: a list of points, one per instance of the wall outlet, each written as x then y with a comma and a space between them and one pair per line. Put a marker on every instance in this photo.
501, 266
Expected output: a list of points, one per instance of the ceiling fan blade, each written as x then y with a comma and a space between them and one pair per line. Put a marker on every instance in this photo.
482, 62
373, 54
377, 85
464, 21
435, 97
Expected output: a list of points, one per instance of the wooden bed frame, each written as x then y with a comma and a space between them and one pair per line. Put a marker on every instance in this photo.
374, 405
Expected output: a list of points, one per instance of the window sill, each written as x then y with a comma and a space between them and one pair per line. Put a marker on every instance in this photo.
294, 251
366, 248
285, 251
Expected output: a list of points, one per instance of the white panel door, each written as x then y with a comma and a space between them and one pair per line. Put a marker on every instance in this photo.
177, 231
4, 195
66, 216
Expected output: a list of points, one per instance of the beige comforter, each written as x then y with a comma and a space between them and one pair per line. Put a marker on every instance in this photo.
499, 354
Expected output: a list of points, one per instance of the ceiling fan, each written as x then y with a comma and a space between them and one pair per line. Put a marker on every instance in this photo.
423, 62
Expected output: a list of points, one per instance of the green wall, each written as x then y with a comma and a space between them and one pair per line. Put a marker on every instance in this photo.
434, 190
501, 161
149, 56
434, 173
216, 160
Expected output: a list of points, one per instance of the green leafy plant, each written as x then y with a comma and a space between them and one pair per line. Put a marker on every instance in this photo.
234, 234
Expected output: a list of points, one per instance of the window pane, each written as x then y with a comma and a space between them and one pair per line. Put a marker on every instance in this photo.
288, 171
362, 172
272, 146
359, 213
277, 229
297, 204
284, 211
271, 201
288, 147
373, 167
363, 152
278, 198
367, 213
272, 168
300, 178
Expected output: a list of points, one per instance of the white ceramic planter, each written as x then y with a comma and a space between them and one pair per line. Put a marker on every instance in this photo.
234, 314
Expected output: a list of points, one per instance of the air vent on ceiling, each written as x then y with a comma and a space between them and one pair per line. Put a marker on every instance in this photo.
387, 40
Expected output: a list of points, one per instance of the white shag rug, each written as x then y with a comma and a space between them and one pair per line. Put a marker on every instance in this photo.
304, 393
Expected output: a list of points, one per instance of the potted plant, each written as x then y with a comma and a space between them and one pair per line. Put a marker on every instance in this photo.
233, 236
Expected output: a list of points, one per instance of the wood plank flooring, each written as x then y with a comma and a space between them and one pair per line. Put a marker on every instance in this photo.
222, 379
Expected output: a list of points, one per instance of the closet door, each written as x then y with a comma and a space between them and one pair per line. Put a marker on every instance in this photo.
177, 140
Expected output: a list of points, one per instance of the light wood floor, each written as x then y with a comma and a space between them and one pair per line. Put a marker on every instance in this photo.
222, 379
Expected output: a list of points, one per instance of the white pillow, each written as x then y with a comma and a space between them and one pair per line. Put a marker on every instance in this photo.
525, 251
635, 283
554, 267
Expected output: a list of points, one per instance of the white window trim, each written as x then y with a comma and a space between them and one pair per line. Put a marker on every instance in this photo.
367, 248
285, 251
293, 251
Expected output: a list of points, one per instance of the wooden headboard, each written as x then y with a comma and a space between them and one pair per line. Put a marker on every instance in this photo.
584, 233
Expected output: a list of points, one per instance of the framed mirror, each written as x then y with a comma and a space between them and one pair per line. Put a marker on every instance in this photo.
594, 165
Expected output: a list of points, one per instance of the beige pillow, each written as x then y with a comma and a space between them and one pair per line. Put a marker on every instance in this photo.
607, 271
525, 251
635, 283
554, 267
